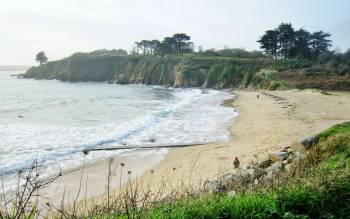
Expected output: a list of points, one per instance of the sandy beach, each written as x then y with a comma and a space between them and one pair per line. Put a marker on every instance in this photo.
264, 124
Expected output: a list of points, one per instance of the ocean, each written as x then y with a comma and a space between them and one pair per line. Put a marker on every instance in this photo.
53, 121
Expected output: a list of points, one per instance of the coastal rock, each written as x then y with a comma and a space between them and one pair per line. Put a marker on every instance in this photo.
278, 155
230, 181
308, 142
214, 186
258, 172
274, 170
247, 175
256, 181
265, 164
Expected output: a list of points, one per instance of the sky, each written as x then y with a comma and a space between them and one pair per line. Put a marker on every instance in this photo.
62, 27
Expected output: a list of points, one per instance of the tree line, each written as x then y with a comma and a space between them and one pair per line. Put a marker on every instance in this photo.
285, 42
178, 44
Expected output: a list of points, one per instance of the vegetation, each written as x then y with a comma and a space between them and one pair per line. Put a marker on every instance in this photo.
234, 52
41, 58
336, 63
178, 44
284, 42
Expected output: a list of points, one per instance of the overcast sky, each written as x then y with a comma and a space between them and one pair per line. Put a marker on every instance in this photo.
62, 27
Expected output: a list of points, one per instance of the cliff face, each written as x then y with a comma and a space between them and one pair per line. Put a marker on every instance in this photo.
185, 71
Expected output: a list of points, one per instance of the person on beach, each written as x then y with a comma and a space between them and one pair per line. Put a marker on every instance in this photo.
236, 162
257, 96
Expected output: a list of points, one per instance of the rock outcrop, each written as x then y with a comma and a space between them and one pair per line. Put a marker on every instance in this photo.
254, 174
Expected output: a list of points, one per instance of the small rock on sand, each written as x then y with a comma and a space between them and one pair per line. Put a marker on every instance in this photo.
278, 155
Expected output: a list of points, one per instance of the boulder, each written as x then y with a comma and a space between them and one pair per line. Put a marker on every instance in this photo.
265, 164
308, 142
256, 181
274, 170
230, 181
258, 172
278, 155
247, 175
213, 186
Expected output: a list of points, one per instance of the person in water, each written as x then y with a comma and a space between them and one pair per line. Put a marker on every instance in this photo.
236, 162
20, 116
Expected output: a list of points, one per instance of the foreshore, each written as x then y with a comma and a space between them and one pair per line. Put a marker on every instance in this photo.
263, 125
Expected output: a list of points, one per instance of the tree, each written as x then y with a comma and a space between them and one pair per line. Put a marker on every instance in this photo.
269, 42
41, 58
320, 43
178, 44
301, 44
286, 39
284, 42
154, 44
181, 43
145, 45
168, 46
137, 47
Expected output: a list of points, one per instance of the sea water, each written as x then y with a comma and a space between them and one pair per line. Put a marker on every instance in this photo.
53, 121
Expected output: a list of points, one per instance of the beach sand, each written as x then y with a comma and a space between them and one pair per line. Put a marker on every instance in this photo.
264, 124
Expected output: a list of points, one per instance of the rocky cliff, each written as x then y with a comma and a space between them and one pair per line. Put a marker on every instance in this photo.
178, 71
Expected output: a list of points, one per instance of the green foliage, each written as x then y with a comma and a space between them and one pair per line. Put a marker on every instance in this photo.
234, 52
337, 129
268, 79
284, 42
41, 58
245, 206
178, 44
15, 212
336, 63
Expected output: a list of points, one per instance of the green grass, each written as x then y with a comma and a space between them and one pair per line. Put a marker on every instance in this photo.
268, 79
337, 129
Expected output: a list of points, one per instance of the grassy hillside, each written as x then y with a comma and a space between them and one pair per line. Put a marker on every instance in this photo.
194, 71
321, 189
189, 70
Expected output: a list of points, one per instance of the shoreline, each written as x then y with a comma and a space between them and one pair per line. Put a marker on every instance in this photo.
96, 172
263, 125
